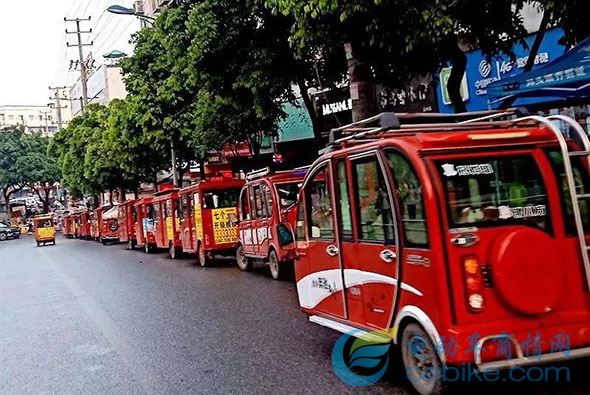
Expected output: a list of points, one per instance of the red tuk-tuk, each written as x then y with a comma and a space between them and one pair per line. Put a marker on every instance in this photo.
166, 225
463, 243
127, 220
95, 221
208, 218
76, 225
144, 225
68, 222
109, 230
268, 209
84, 232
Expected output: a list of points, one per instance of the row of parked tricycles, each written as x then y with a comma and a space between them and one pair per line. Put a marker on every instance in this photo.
202, 219
460, 239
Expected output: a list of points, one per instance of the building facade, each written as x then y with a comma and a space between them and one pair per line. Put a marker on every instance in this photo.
150, 7
35, 119
104, 85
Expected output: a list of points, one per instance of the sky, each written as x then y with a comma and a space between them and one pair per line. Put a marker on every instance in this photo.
33, 44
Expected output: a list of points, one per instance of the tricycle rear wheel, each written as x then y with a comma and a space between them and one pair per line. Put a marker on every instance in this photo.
204, 261
173, 251
244, 263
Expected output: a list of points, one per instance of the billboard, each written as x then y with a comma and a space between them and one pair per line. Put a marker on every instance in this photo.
481, 72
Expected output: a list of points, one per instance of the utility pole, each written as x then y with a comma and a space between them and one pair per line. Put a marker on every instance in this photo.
83, 69
57, 105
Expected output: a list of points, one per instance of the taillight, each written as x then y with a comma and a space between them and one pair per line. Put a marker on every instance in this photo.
474, 284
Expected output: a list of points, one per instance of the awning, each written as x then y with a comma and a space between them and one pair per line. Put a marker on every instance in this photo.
297, 123
567, 77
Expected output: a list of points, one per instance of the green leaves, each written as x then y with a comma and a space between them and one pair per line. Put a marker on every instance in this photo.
25, 160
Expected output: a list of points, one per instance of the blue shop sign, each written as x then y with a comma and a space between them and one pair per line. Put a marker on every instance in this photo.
480, 72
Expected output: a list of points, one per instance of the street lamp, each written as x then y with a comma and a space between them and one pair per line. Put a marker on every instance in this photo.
120, 10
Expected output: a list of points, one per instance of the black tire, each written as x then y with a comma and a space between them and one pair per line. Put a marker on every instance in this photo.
147, 248
421, 362
53, 242
244, 263
204, 261
130, 245
278, 270
3, 236
38, 244
173, 251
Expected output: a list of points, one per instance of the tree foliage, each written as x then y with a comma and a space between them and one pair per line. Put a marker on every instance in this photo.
24, 161
211, 72
101, 150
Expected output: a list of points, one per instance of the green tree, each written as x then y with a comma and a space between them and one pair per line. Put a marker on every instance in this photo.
75, 148
12, 147
39, 168
399, 39
212, 72
104, 150
161, 95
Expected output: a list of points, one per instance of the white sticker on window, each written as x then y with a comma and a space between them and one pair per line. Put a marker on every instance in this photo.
451, 170
506, 212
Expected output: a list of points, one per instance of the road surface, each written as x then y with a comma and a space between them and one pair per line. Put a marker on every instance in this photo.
81, 317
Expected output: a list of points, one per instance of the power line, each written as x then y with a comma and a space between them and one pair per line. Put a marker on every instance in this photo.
106, 42
79, 7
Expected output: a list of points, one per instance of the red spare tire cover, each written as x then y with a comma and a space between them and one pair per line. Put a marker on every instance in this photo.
527, 271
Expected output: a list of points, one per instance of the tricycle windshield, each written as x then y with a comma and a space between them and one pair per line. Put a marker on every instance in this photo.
490, 191
288, 193
223, 198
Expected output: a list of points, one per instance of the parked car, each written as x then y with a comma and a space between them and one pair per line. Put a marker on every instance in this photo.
208, 218
127, 218
267, 213
9, 232
467, 235
109, 226
166, 225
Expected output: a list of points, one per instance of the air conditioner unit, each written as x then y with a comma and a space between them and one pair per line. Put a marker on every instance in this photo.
138, 7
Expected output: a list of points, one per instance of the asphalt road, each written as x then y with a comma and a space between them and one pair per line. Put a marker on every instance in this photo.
83, 318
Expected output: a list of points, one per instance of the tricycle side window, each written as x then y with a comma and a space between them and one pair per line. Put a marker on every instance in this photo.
374, 207
410, 195
268, 199
260, 207
244, 208
318, 200
168, 207
300, 226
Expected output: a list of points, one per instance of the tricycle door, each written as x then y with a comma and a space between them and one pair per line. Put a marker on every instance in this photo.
122, 221
370, 250
263, 219
246, 222
318, 270
186, 223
